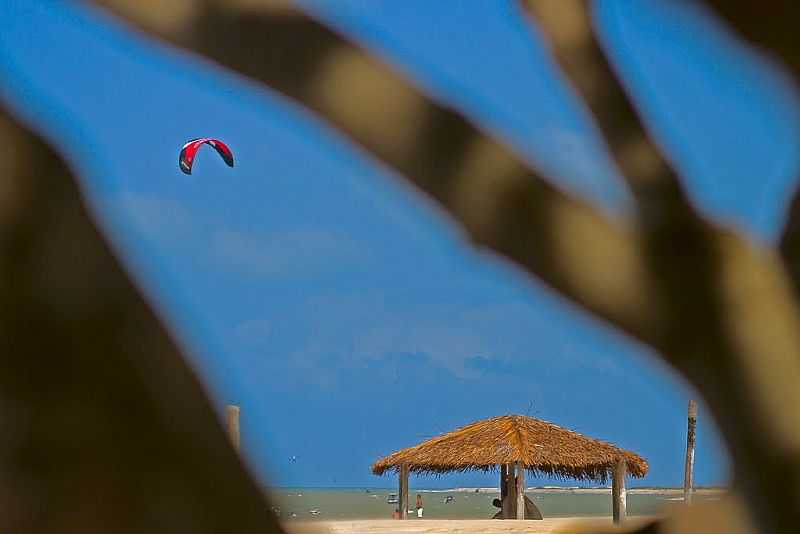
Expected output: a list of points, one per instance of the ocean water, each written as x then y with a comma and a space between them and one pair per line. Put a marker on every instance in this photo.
370, 503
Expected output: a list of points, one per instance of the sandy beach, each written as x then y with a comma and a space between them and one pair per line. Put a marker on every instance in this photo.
553, 525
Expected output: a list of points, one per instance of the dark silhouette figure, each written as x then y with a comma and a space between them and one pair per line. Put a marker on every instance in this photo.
531, 510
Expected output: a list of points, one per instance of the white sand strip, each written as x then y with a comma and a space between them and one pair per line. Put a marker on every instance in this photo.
447, 526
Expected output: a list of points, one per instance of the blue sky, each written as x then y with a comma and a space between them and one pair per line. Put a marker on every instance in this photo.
346, 316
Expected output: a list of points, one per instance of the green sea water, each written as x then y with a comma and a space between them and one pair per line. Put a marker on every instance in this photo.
370, 503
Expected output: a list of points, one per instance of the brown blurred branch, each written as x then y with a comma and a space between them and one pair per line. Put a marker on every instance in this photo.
772, 29
105, 428
568, 29
693, 264
678, 246
790, 240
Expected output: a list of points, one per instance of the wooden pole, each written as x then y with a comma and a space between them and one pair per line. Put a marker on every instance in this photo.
520, 491
509, 504
232, 422
688, 474
404, 491
503, 481
503, 489
618, 496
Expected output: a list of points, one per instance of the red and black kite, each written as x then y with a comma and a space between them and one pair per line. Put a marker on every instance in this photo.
189, 151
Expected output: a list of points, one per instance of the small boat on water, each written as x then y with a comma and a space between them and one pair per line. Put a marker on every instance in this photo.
314, 512
449, 499
392, 499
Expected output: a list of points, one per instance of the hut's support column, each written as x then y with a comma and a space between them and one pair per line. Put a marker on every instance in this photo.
618, 497
403, 497
503, 481
510, 499
503, 488
690, 439
520, 491
232, 423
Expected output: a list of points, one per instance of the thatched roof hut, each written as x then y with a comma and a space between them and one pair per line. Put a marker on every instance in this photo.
542, 447
516, 444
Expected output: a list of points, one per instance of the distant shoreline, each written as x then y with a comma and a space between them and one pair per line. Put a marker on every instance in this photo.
645, 490
306, 504
634, 491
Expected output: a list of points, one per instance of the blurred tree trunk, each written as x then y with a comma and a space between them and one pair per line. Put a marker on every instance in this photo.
105, 427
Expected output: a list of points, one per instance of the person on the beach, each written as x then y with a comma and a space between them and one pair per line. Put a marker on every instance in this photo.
531, 510
419, 505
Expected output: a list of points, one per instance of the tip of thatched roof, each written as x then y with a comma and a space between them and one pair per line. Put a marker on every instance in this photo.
541, 446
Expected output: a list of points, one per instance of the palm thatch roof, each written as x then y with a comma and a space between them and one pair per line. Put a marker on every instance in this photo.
544, 448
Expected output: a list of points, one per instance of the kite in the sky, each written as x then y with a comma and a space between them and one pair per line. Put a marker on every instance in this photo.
189, 152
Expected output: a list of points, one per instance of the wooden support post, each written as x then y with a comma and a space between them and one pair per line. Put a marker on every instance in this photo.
688, 474
503, 489
520, 490
618, 496
232, 423
509, 503
403, 491
503, 481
